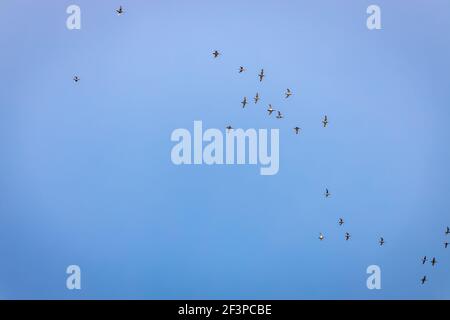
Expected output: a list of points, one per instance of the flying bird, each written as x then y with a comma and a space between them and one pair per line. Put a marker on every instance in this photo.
347, 236
341, 221
445, 245
76, 79
381, 241
321, 236
297, 129
270, 110
261, 75
229, 128
325, 121
216, 53
256, 98
241, 69
424, 279
447, 232
327, 193
288, 93
244, 102
279, 115
433, 261
120, 11
424, 259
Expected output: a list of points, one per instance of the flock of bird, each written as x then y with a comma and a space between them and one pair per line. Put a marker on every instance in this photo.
434, 261
297, 130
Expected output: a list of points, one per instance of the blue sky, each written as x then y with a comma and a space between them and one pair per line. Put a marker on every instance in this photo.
86, 175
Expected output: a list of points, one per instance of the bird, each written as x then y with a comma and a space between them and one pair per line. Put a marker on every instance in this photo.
270, 110
423, 279
297, 129
327, 193
445, 245
433, 261
216, 53
76, 78
447, 232
341, 221
229, 128
325, 121
381, 241
256, 98
241, 69
261, 75
244, 102
279, 115
120, 11
347, 236
321, 236
424, 259
288, 93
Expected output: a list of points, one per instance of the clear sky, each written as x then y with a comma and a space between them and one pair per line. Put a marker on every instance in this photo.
86, 176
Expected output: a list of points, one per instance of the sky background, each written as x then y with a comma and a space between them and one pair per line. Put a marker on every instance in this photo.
86, 176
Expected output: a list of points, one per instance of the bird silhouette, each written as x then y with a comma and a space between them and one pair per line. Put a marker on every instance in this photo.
120, 11
433, 261
288, 93
216, 53
325, 121
261, 75
424, 259
256, 98
244, 102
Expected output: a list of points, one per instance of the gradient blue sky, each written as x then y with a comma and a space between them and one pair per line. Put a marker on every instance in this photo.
86, 175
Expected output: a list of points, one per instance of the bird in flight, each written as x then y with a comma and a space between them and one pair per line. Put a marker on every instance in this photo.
288, 93
327, 193
244, 102
120, 11
445, 245
279, 115
229, 128
241, 69
321, 236
76, 79
341, 221
347, 236
270, 110
256, 98
424, 279
424, 259
433, 261
216, 53
261, 75
325, 121
381, 241
297, 129
447, 232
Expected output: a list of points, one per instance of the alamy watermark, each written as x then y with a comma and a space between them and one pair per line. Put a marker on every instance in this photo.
229, 150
